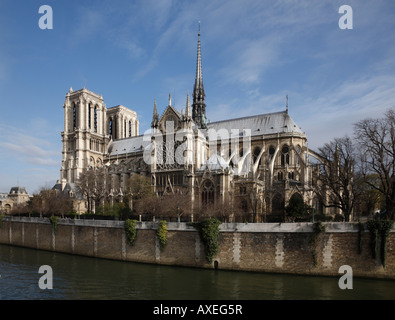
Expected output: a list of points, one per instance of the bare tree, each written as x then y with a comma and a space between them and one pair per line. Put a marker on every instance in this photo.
149, 206
376, 142
337, 187
86, 183
370, 198
139, 187
176, 205
47, 202
222, 210
96, 184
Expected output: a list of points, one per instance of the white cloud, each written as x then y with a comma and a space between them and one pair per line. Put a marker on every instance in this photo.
253, 57
334, 113
28, 148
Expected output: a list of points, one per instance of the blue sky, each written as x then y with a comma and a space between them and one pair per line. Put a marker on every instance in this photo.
254, 53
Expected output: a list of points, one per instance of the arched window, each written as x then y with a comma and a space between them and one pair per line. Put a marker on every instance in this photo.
110, 128
95, 119
7, 208
285, 155
130, 128
74, 116
91, 162
257, 151
208, 193
272, 150
89, 115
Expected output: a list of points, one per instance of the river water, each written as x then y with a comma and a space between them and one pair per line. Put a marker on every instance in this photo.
79, 278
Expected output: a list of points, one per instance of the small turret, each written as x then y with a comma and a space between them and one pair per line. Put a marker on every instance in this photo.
188, 111
155, 117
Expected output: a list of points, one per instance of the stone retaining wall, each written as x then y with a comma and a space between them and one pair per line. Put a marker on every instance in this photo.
262, 247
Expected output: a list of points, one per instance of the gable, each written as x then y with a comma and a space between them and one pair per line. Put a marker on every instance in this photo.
172, 116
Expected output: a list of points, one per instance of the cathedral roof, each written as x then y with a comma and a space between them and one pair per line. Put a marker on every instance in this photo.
215, 162
270, 123
263, 124
128, 145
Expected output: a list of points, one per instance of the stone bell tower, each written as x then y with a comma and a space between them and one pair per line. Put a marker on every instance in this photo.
85, 138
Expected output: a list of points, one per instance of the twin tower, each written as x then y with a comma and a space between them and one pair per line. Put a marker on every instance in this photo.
89, 126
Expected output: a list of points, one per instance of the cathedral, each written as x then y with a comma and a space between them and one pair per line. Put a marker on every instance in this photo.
258, 162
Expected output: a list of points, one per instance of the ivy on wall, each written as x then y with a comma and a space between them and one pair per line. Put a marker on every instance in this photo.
161, 233
385, 229
1, 220
209, 234
54, 221
318, 228
379, 232
130, 230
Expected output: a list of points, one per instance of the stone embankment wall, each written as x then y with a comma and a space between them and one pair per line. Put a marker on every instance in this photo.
262, 247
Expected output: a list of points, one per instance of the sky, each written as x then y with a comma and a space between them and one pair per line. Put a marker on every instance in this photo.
254, 53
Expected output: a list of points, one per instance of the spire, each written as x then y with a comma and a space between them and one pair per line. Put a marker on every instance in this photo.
286, 104
199, 106
199, 77
155, 117
169, 99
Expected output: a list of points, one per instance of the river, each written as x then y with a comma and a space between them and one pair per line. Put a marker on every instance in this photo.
83, 278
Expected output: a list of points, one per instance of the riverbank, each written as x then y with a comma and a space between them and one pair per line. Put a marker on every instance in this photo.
292, 248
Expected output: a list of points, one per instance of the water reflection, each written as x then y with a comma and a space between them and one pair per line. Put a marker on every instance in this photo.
77, 277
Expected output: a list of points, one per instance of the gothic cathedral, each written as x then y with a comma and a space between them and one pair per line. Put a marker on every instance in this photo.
258, 162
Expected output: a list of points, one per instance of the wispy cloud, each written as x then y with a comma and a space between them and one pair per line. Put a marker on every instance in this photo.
18, 144
26, 159
333, 113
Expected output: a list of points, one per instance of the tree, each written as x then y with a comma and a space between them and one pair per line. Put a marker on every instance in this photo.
297, 208
337, 181
221, 210
49, 202
370, 198
376, 144
139, 187
175, 205
149, 206
96, 184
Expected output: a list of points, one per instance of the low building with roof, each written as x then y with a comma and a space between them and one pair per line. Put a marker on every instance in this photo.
16, 197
